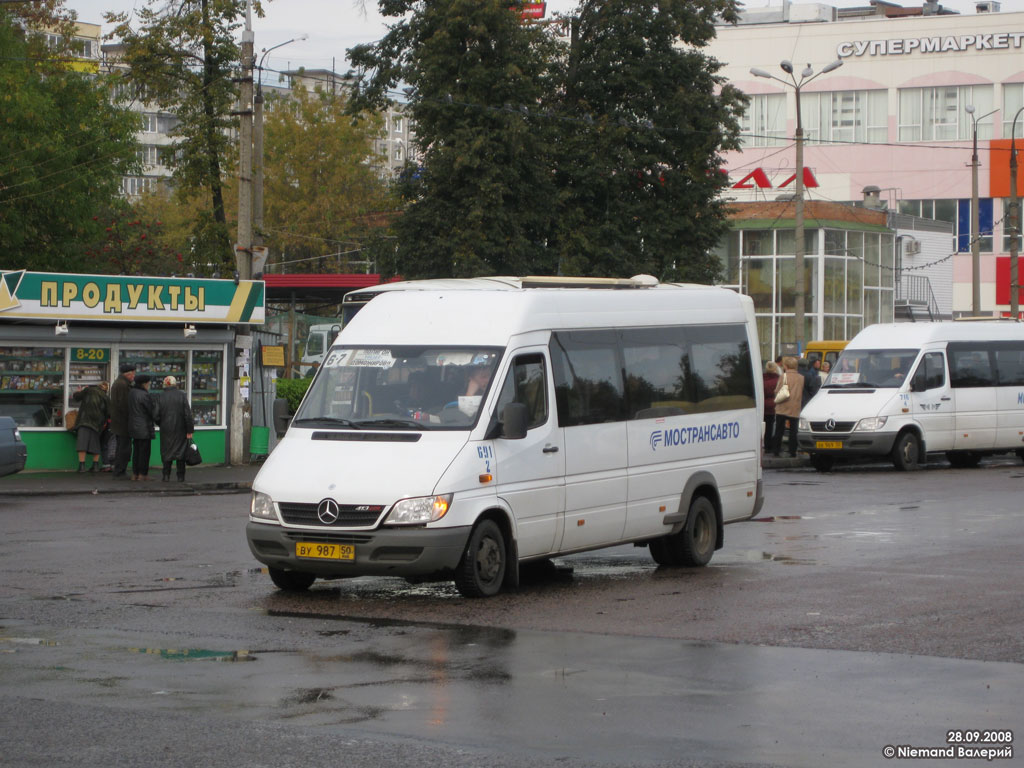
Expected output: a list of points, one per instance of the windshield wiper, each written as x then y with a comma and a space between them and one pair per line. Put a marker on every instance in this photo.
406, 423
330, 421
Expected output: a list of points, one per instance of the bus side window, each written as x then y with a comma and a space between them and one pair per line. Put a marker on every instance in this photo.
526, 383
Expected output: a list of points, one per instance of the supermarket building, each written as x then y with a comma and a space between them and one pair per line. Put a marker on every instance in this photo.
893, 119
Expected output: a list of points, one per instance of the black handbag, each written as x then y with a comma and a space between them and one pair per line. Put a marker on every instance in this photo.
192, 455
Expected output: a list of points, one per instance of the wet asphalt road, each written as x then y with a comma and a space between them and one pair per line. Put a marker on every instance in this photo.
864, 608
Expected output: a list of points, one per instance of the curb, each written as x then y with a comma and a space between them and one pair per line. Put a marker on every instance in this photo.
175, 490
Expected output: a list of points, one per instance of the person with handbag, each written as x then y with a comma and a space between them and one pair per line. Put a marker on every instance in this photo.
787, 406
93, 414
174, 417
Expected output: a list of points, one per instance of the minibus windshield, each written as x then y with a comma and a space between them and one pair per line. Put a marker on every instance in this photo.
399, 387
877, 368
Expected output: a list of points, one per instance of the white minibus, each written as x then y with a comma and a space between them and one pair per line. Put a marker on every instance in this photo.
457, 434
906, 389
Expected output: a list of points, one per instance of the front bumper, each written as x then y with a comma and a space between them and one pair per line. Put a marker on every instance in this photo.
846, 444
380, 552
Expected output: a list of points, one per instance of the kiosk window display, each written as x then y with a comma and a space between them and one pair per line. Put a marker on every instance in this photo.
32, 385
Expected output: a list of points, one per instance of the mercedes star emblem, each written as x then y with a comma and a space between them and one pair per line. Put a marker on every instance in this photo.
328, 511
830, 424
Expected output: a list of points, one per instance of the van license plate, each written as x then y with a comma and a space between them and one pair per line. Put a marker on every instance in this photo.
824, 445
325, 551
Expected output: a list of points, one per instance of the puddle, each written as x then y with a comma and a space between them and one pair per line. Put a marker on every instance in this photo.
195, 654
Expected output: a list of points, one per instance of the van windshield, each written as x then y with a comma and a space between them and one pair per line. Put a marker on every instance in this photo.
399, 387
878, 368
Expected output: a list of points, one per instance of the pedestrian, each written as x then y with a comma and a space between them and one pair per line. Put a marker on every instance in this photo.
93, 413
120, 407
141, 426
787, 413
174, 417
771, 378
812, 383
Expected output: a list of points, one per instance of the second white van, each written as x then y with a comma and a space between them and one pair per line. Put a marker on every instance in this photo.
906, 389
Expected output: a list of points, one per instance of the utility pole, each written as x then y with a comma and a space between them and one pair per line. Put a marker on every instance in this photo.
241, 410
1014, 223
975, 217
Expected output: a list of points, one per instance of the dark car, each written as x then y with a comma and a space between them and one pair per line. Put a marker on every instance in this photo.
12, 450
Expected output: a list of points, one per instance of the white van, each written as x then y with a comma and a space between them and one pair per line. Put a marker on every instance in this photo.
459, 433
318, 341
902, 390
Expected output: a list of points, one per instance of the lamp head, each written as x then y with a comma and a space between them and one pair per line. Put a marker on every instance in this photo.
787, 66
807, 71
832, 67
969, 109
756, 72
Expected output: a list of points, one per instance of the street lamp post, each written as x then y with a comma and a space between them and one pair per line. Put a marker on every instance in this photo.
975, 218
257, 138
1014, 222
800, 289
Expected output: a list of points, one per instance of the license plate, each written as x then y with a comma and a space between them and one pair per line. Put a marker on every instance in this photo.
317, 551
824, 445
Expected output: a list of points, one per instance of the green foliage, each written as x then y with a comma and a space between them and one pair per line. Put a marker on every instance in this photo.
322, 197
292, 390
63, 150
182, 56
480, 203
595, 157
640, 188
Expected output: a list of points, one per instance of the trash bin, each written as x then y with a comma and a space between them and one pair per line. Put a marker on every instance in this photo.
259, 441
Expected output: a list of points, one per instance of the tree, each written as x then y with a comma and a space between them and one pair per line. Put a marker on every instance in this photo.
597, 157
480, 202
63, 148
638, 172
323, 200
134, 242
183, 57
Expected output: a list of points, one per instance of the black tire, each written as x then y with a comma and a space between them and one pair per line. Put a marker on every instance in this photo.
291, 581
906, 453
482, 568
694, 545
1020, 454
963, 459
822, 463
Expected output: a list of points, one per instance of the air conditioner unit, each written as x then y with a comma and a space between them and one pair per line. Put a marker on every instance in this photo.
912, 247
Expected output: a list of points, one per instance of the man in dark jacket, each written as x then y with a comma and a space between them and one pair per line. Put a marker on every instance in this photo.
143, 414
174, 417
120, 413
812, 382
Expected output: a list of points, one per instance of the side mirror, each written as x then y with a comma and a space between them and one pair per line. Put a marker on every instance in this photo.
281, 417
514, 420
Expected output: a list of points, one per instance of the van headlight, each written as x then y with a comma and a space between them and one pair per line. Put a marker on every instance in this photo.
803, 425
262, 507
870, 425
419, 511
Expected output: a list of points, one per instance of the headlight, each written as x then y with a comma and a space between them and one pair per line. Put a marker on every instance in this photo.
870, 425
17, 435
804, 425
262, 507
419, 511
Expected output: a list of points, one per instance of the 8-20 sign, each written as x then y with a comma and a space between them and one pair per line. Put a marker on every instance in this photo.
90, 355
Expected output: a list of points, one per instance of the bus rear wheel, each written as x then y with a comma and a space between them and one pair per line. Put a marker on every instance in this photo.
694, 545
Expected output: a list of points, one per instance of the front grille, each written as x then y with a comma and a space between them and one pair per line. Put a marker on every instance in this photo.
349, 515
841, 426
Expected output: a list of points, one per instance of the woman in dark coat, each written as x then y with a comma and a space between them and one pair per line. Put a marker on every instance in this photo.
176, 427
771, 378
142, 414
92, 420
